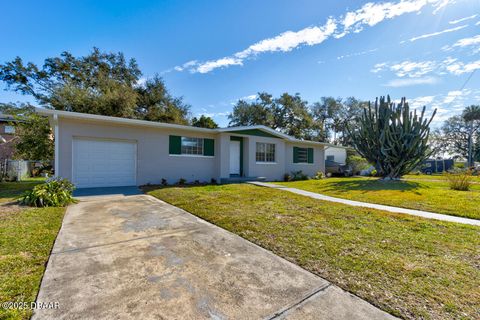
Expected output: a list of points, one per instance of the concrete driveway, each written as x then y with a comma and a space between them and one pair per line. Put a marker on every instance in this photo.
135, 257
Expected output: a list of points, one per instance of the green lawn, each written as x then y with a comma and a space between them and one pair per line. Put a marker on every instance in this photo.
409, 266
9, 191
433, 177
421, 195
26, 238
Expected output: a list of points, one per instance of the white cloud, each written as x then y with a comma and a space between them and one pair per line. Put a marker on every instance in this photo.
447, 104
428, 35
463, 19
355, 54
208, 66
413, 69
396, 83
458, 68
416, 69
466, 42
250, 97
369, 14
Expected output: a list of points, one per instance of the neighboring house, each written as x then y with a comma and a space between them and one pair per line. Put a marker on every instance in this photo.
336, 154
7, 132
98, 151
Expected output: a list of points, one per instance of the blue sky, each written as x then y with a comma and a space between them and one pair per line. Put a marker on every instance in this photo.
215, 52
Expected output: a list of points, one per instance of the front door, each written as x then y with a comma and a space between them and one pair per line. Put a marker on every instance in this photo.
234, 157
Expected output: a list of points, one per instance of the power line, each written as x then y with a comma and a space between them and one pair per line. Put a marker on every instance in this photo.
463, 87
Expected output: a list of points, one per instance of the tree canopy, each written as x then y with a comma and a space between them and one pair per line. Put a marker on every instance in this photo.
204, 122
325, 120
98, 83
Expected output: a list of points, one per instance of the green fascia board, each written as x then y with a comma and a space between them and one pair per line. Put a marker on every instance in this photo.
254, 132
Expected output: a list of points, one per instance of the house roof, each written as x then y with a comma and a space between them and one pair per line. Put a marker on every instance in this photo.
145, 123
6, 117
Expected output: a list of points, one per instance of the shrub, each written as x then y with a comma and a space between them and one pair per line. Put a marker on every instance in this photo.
373, 173
213, 181
164, 182
55, 192
319, 175
182, 181
357, 163
459, 180
287, 177
299, 175
459, 165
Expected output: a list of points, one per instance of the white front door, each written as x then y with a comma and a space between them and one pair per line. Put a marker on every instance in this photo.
104, 163
234, 157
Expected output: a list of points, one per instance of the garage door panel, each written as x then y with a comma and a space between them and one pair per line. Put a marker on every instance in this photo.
103, 163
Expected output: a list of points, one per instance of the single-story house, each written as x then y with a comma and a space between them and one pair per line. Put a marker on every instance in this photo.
7, 135
336, 154
100, 151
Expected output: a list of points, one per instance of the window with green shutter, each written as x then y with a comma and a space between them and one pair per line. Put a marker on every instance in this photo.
310, 155
191, 146
302, 155
208, 147
175, 145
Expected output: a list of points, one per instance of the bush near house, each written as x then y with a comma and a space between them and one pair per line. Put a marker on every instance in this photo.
357, 163
55, 192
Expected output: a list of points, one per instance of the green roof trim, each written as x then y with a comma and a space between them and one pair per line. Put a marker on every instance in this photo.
254, 132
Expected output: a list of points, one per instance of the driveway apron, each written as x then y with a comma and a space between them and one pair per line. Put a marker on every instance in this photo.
136, 257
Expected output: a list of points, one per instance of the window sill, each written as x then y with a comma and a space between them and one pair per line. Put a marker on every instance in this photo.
191, 156
265, 163
304, 163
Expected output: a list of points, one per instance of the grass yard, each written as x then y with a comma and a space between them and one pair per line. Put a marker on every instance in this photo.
9, 191
421, 195
433, 177
26, 238
409, 266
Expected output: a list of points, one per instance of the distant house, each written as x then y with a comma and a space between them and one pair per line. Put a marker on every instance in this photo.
7, 132
100, 151
336, 154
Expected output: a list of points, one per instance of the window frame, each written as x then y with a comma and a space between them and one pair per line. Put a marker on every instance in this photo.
269, 151
198, 147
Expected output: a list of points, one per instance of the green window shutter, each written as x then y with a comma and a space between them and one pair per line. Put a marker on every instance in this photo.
208, 147
175, 145
295, 154
310, 155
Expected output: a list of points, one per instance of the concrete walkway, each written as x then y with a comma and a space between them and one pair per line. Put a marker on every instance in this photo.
423, 214
135, 257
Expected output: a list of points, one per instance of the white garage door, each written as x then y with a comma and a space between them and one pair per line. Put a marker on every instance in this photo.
103, 163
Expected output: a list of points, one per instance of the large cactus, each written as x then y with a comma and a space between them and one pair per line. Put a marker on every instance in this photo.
392, 137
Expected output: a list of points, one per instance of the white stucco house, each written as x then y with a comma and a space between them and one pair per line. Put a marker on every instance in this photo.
336, 154
101, 151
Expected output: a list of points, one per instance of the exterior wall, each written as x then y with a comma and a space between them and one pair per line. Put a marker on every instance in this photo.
153, 159
271, 171
309, 169
6, 149
340, 154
